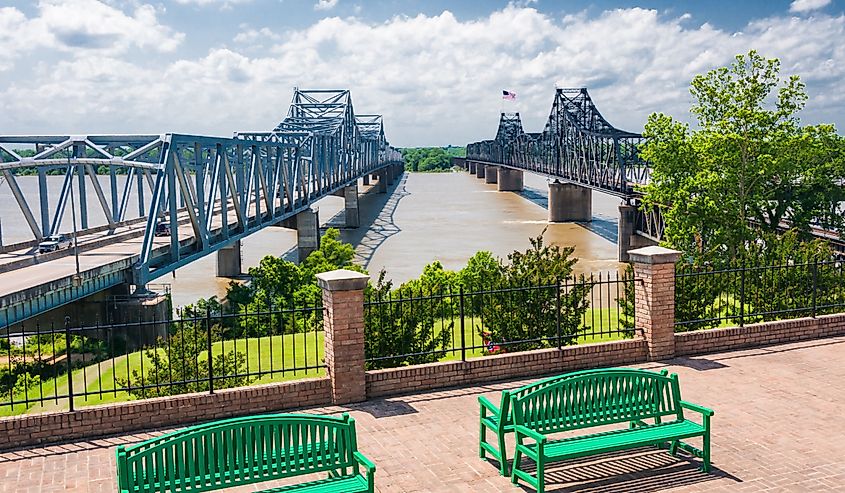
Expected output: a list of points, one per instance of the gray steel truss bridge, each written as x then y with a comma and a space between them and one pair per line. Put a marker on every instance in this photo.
581, 148
577, 145
186, 196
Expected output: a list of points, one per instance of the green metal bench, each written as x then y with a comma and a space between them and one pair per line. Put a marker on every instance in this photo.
247, 450
598, 398
499, 420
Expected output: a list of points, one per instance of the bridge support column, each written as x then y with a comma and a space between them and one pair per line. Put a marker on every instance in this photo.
229, 262
367, 179
388, 174
510, 180
569, 202
146, 312
480, 170
491, 174
382, 181
350, 204
627, 220
471, 167
307, 233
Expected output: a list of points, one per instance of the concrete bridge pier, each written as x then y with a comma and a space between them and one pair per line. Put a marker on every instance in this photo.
491, 174
382, 181
350, 205
147, 314
510, 180
471, 167
366, 179
307, 226
569, 202
229, 263
628, 237
480, 170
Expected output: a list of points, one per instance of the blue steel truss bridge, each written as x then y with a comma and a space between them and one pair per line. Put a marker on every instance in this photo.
163, 201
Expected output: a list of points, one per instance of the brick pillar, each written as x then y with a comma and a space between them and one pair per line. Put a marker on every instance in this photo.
654, 269
343, 301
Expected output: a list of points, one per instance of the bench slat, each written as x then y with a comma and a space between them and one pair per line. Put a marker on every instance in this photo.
619, 440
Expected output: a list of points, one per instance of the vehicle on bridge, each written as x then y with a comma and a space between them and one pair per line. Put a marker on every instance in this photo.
162, 229
54, 243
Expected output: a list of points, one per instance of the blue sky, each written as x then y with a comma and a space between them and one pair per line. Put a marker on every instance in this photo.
435, 69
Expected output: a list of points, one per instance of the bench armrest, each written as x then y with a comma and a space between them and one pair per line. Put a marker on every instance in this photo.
695, 407
528, 432
367, 463
489, 406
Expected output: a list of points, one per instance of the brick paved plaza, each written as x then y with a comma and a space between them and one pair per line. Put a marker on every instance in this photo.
777, 428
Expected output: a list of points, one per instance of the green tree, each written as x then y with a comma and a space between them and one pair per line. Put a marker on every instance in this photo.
527, 318
277, 284
179, 365
400, 333
430, 159
749, 166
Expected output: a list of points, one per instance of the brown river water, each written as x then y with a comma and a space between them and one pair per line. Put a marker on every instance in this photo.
425, 217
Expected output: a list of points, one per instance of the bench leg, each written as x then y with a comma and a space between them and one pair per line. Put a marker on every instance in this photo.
706, 452
482, 438
517, 458
503, 454
541, 475
673, 448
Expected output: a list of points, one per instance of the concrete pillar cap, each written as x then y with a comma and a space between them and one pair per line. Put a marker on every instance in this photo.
654, 255
342, 280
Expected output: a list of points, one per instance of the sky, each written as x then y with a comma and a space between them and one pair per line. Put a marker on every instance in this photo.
435, 69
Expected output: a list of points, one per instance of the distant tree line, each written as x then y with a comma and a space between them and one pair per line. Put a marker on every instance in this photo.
431, 159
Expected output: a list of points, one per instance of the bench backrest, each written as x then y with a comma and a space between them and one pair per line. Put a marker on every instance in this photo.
599, 397
238, 451
509, 395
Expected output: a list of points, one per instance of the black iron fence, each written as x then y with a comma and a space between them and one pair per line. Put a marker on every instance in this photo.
55, 368
419, 324
206, 349
708, 298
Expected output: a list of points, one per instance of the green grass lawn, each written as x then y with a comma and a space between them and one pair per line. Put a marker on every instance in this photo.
273, 356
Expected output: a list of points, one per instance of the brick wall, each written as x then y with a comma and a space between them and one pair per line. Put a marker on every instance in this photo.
416, 378
762, 334
161, 412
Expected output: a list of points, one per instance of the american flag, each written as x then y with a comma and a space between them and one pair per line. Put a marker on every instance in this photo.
510, 96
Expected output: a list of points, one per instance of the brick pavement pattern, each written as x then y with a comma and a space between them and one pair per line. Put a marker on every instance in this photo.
776, 429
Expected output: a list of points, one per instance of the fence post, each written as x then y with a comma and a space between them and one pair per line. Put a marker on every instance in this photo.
815, 285
343, 302
742, 293
557, 312
210, 358
654, 269
69, 365
463, 335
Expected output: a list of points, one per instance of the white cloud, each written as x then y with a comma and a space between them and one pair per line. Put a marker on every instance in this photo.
256, 37
807, 5
82, 27
325, 4
436, 79
221, 3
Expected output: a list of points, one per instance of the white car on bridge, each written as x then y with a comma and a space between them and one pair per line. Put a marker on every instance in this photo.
53, 243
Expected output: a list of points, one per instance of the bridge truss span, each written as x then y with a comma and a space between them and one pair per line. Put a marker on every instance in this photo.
577, 144
189, 195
